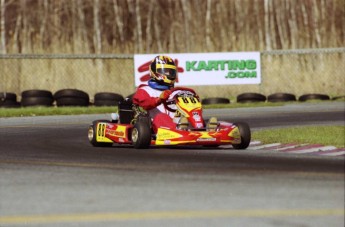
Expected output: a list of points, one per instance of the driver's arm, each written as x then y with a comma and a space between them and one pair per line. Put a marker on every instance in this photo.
143, 99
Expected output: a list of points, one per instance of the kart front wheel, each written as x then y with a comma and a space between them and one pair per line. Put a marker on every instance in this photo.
245, 136
141, 133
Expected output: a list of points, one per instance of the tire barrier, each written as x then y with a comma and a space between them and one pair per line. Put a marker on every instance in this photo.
71, 97
308, 97
215, 100
250, 97
339, 97
75, 97
107, 99
281, 97
37, 98
8, 100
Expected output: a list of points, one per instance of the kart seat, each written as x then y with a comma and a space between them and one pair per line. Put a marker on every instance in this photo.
126, 113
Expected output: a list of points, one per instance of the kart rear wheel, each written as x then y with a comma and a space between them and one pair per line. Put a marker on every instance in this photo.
141, 133
92, 135
245, 136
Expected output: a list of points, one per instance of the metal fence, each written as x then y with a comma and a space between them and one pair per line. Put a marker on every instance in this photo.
291, 71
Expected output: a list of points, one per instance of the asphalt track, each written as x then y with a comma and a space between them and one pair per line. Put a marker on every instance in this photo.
51, 176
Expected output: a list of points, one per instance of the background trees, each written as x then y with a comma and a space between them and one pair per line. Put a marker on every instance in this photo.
149, 26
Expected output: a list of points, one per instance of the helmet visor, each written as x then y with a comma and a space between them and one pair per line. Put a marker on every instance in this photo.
168, 72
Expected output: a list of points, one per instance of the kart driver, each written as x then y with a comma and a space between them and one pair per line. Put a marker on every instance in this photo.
163, 74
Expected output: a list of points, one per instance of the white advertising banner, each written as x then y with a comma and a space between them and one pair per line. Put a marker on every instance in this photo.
206, 68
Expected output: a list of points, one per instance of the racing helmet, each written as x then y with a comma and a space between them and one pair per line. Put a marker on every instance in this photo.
163, 70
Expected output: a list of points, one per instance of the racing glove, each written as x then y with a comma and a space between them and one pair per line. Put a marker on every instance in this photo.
165, 95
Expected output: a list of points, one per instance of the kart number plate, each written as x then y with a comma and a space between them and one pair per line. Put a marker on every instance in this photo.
100, 135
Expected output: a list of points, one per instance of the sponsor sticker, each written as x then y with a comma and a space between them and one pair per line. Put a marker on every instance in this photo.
206, 139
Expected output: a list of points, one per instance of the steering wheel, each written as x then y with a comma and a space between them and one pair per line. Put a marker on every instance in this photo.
175, 93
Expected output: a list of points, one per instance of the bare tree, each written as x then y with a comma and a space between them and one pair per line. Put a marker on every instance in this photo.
45, 12
316, 18
2, 27
148, 26
187, 18
128, 26
259, 44
138, 26
16, 41
292, 22
119, 23
208, 26
97, 39
157, 31
267, 26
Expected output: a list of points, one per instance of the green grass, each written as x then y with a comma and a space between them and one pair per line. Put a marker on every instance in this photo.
46, 111
240, 105
324, 135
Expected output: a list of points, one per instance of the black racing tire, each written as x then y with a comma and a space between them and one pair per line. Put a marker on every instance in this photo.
245, 136
338, 97
92, 134
106, 103
108, 96
281, 97
107, 99
141, 133
72, 101
5, 96
8, 100
9, 104
250, 97
37, 93
37, 101
307, 97
71, 93
215, 100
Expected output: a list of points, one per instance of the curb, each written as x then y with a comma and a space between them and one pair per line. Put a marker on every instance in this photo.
291, 148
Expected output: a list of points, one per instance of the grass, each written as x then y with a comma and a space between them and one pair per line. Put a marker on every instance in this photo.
46, 111
324, 135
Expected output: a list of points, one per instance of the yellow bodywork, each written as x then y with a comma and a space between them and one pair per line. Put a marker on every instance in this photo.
187, 104
165, 136
100, 133
235, 133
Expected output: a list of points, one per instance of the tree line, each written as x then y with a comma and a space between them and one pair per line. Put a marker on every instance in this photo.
151, 26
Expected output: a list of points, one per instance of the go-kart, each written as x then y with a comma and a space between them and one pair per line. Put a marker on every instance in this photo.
132, 125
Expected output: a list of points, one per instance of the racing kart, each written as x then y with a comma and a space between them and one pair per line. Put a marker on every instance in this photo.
132, 125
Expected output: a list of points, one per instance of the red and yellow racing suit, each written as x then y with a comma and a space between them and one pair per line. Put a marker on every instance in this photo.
149, 99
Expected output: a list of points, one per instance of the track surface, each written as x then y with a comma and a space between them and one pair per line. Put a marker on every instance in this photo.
51, 176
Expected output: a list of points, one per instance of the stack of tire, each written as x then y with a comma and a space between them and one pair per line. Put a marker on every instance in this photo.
215, 100
71, 97
37, 98
281, 97
8, 100
307, 97
250, 97
107, 99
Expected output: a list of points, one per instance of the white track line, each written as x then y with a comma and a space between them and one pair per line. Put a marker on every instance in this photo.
315, 149
334, 153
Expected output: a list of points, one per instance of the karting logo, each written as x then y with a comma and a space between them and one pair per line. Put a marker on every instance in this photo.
144, 68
